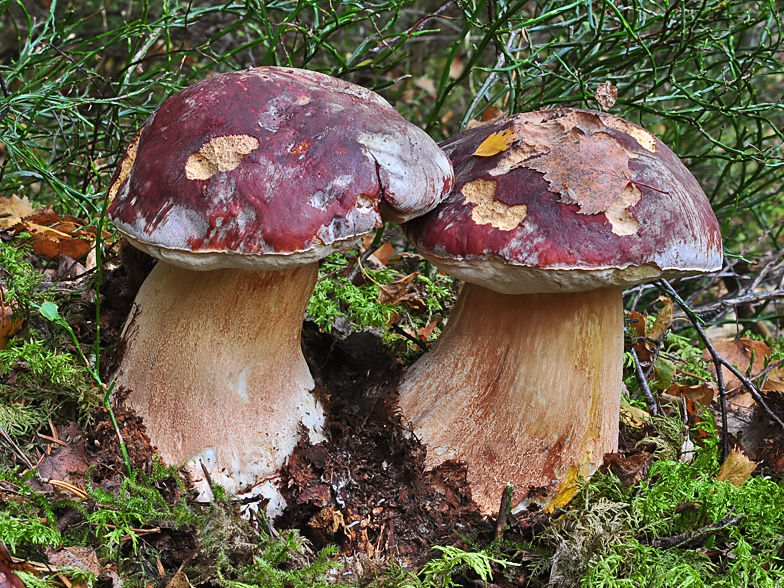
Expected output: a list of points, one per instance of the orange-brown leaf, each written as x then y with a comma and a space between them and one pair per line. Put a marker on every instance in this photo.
52, 248
738, 353
701, 393
591, 172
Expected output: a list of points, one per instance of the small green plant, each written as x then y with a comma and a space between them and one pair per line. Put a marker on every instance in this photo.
336, 296
22, 282
440, 572
615, 536
51, 313
274, 562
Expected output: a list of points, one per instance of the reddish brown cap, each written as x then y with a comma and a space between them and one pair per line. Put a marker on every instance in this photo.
567, 200
269, 168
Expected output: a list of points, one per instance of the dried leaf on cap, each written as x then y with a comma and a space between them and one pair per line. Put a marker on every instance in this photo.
496, 143
591, 173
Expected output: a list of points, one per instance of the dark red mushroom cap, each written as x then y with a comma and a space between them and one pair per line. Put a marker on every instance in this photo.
567, 200
269, 168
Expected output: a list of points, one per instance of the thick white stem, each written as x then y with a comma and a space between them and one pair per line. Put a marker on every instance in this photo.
524, 388
214, 367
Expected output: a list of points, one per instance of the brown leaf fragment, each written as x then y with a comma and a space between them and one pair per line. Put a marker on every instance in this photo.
83, 558
489, 115
590, 173
8, 579
701, 393
638, 323
179, 580
738, 352
775, 381
663, 318
424, 333
736, 469
53, 248
393, 293
496, 143
606, 95
633, 417
13, 210
44, 217
629, 470
8, 327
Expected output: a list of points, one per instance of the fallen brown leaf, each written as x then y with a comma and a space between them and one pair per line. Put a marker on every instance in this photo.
736, 469
629, 470
8, 579
737, 352
775, 381
633, 417
13, 210
591, 172
490, 114
701, 393
638, 323
180, 580
395, 292
75, 248
663, 319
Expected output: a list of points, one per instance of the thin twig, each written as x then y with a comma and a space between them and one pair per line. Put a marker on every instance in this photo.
15, 448
695, 321
653, 407
670, 542
418, 342
719, 361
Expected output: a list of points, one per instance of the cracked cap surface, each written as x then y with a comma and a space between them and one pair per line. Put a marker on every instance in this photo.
269, 168
567, 200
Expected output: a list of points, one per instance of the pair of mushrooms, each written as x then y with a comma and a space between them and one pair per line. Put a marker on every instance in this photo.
242, 182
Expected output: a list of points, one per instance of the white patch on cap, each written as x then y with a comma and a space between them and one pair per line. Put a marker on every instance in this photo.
413, 169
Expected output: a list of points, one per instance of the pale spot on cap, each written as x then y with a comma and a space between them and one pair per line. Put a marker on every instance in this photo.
219, 154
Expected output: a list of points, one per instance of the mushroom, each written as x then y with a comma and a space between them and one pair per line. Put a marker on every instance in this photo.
552, 215
239, 185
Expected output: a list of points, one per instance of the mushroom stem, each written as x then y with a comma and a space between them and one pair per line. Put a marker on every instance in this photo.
524, 388
218, 373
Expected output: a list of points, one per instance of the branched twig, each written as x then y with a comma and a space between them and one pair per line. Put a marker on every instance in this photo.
719, 361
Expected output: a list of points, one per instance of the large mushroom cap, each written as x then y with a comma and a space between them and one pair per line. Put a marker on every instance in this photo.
567, 200
269, 168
